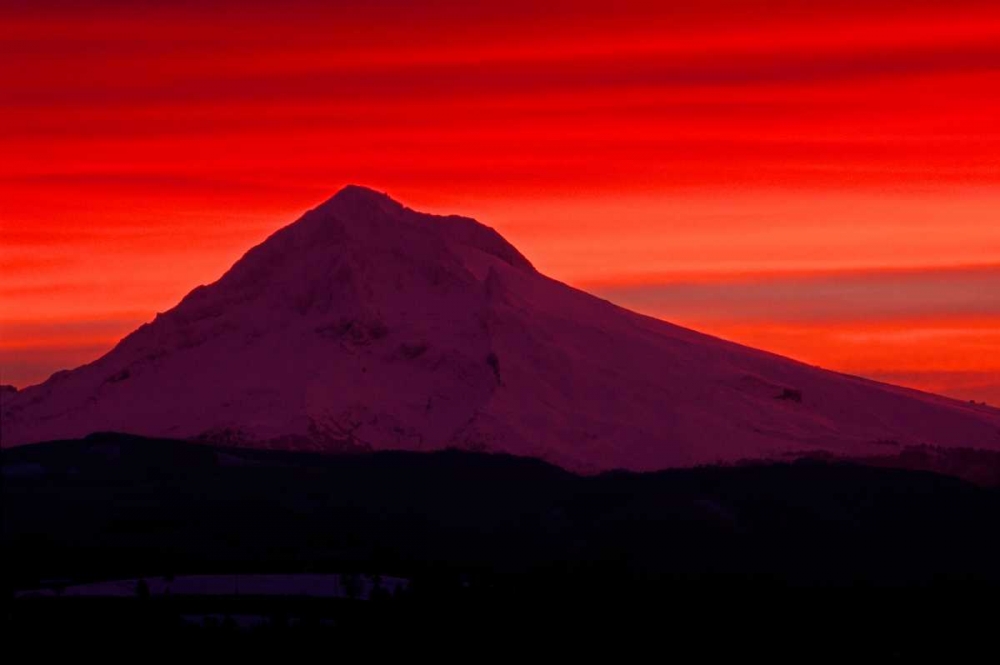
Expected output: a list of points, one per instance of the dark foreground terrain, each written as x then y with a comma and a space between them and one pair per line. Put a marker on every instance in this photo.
807, 560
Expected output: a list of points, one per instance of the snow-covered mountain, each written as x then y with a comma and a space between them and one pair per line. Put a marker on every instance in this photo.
367, 325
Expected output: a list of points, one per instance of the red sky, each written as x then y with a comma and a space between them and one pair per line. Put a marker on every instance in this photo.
815, 178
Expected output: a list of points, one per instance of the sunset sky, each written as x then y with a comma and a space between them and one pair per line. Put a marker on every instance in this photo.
820, 179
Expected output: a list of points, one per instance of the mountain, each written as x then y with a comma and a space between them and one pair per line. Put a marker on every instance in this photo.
366, 325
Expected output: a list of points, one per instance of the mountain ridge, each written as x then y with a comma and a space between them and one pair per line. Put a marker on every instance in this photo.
366, 325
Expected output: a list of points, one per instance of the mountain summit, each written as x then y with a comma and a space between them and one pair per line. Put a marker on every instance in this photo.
362, 205
366, 325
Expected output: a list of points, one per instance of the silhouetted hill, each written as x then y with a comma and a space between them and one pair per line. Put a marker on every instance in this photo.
113, 505
806, 558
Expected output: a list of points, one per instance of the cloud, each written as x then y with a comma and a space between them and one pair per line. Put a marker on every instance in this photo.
825, 297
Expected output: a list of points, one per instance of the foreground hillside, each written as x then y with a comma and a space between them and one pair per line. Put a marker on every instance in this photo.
839, 559
121, 506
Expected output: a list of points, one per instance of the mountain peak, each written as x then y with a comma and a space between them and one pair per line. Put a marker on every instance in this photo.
364, 207
355, 193
354, 199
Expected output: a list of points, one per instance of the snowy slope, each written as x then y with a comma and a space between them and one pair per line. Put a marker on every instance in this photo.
366, 325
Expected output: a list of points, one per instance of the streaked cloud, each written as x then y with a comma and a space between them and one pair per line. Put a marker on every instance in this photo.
821, 297
816, 178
